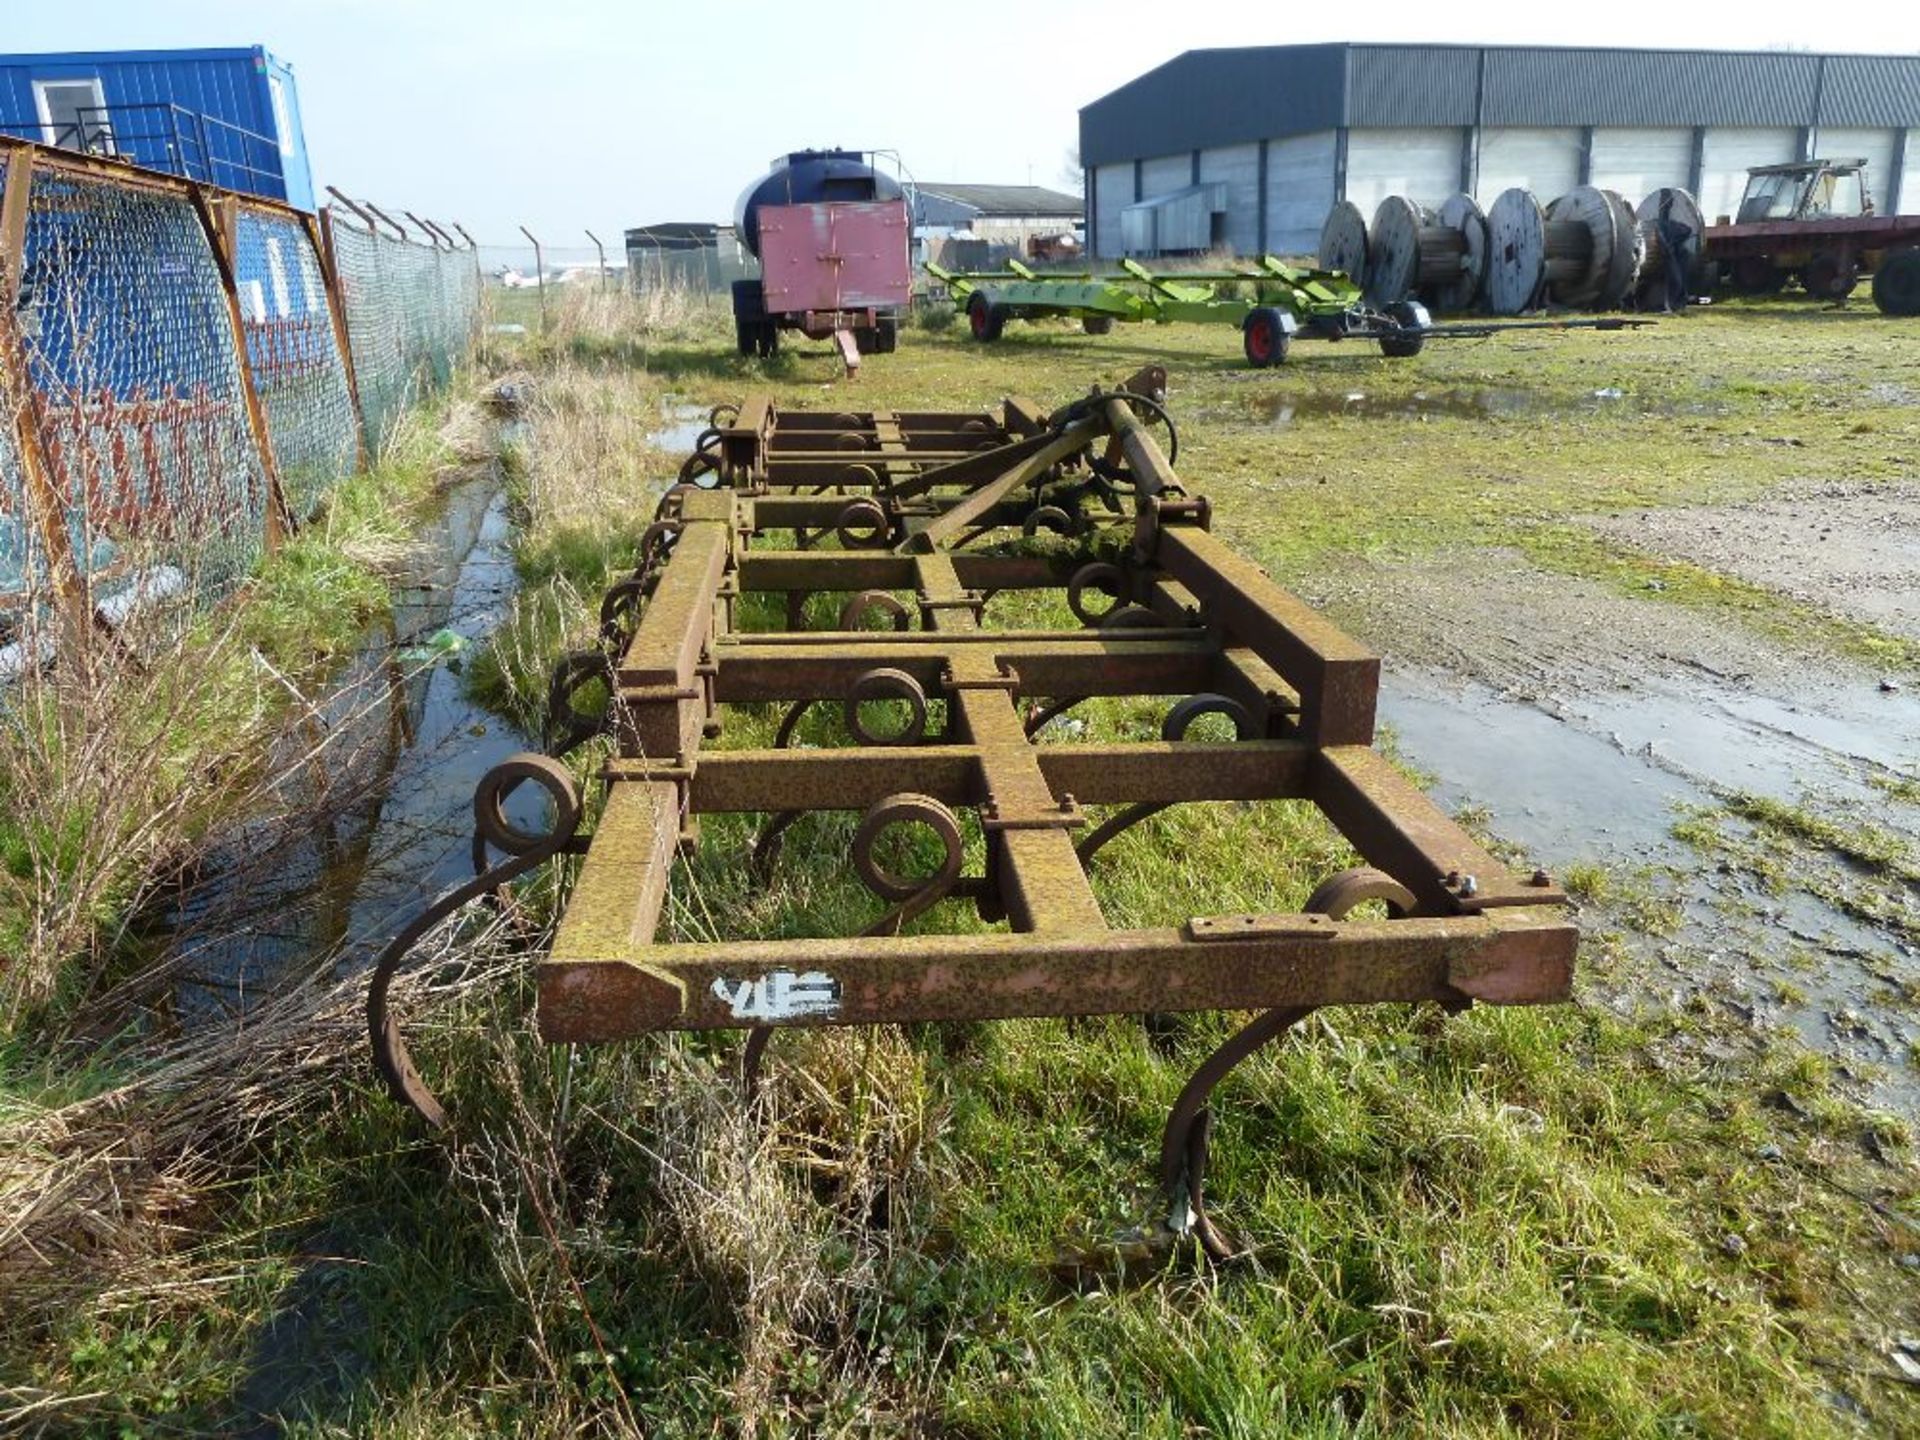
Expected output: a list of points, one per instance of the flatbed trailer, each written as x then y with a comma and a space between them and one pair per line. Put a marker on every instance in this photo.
1813, 221
1280, 304
1286, 304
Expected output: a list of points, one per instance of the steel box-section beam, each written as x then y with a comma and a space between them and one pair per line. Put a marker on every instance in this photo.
616, 901
849, 570
662, 699
741, 781
1102, 665
610, 992
1396, 827
1337, 678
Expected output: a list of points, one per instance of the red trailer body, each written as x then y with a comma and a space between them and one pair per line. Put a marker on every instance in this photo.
835, 255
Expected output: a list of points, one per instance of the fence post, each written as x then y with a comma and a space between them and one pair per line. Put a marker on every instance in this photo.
601, 250
218, 215
540, 275
43, 499
320, 235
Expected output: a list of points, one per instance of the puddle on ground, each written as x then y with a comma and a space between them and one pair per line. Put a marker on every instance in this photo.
1603, 778
683, 423
375, 800
1484, 402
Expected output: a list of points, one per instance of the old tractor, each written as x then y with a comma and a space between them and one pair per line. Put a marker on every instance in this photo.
1814, 221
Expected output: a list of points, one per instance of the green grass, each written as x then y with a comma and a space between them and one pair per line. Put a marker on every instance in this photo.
1566, 1221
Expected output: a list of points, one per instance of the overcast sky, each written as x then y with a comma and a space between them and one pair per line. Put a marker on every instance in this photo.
571, 114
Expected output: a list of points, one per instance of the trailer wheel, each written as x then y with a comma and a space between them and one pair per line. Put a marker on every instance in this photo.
1265, 336
767, 343
1828, 277
1896, 284
1411, 337
746, 334
1097, 324
886, 335
985, 319
1758, 275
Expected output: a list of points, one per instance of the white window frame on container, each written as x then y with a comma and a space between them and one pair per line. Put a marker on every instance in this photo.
70, 82
282, 121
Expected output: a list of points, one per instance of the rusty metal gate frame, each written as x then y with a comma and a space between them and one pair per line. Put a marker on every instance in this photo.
1167, 610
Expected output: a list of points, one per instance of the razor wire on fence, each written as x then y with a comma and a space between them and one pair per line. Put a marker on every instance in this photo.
162, 370
411, 312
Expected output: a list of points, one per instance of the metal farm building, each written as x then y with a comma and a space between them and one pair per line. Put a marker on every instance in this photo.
1248, 149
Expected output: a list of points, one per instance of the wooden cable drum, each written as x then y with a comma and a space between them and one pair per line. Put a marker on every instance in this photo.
1393, 251
1516, 252
1441, 258
1343, 241
1593, 256
1460, 289
1676, 204
1629, 255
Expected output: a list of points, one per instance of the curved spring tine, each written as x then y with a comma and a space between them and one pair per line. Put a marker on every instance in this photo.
783, 737
1117, 823
766, 846
751, 1060
918, 904
390, 1054
525, 849
1053, 709
1183, 1144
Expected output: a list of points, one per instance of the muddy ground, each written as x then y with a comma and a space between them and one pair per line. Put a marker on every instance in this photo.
1588, 723
1849, 547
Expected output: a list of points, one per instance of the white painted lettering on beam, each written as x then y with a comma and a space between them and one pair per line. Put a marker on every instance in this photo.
781, 995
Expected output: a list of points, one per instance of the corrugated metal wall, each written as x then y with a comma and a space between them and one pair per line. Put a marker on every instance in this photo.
1530, 88
1209, 98
1543, 160
1113, 184
1238, 168
1164, 174
1299, 191
1726, 158
1637, 160
1875, 145
1423, 165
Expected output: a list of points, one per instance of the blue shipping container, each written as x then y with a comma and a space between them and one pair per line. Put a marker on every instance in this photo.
229, 117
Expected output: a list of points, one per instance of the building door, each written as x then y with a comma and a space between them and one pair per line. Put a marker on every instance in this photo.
73, 115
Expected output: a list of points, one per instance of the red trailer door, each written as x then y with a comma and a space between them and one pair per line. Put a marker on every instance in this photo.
835, 255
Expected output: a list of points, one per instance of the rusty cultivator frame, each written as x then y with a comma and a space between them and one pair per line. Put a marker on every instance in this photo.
887, 513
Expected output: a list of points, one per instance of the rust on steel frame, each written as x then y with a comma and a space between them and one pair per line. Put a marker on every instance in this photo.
1166, 610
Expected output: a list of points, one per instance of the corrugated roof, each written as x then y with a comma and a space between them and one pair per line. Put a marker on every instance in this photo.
1008, 199
1208, 98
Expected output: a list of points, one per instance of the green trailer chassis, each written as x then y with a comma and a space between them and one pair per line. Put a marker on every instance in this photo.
1272, 303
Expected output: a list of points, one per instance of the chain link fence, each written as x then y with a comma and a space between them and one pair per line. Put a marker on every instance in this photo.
137, 394
142, 430
294, 355
411, 314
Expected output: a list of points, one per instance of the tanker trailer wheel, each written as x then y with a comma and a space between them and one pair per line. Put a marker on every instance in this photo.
886, 335
1828, 277
1896, 283
985, 319
1411, 337
1758, 275
1265, 335
1097, 324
